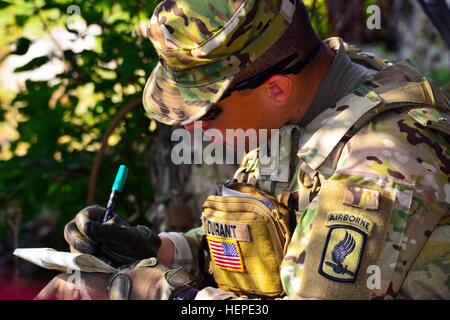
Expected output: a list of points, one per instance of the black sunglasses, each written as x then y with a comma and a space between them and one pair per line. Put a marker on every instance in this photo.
212, 114
258, 79
279, 68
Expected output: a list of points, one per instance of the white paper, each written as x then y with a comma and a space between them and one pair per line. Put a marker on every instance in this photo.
63, 261
227, 192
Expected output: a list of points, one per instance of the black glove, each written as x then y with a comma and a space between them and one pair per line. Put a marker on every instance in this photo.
115, 242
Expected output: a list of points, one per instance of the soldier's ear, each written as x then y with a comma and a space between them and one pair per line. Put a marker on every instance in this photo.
279, 89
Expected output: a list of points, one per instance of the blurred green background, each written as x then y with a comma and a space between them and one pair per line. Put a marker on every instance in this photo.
71, 80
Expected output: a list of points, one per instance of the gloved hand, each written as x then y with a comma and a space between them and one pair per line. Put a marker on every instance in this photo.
143, 280
115, 242
149, 279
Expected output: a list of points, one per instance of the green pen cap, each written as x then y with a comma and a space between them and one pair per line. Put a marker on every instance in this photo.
121, 176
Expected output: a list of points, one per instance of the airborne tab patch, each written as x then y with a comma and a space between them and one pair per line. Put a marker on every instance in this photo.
350, 219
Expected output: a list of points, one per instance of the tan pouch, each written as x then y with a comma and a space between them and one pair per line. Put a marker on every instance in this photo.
247, 241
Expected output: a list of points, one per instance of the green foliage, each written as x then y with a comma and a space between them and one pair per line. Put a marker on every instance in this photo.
61, 122
33, 64
22, 46
320, 20
442, 77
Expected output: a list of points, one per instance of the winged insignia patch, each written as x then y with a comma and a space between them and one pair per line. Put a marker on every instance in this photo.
342, 253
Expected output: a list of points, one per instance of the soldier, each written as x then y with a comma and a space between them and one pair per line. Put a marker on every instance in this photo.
360, 191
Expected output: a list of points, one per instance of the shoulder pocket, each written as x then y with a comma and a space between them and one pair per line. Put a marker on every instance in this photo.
348, 233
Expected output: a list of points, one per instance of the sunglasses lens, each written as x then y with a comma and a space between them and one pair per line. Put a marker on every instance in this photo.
212, 114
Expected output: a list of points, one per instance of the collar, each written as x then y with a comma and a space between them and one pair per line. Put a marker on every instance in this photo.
342, 76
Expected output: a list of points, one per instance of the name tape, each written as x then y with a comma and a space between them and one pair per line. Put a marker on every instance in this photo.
226, 229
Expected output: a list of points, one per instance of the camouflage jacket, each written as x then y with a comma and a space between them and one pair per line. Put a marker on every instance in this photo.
395, 157
376, 170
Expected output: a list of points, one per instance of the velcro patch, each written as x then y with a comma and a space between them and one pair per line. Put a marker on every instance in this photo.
349, 219
226, 254
361, 198
226, 230
342, 253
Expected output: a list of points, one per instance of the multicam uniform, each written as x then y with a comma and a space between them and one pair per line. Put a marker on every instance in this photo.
371, 172
394, 157
380, 207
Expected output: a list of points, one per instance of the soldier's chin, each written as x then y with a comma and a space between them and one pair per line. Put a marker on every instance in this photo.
239, 145
216, 140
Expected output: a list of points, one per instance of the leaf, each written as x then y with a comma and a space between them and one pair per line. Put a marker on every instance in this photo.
52, 189
21, 19
4, 4
33, 64
22, 46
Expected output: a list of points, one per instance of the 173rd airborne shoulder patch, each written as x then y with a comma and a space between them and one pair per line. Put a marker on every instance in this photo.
347, 235
344, 246
349, 230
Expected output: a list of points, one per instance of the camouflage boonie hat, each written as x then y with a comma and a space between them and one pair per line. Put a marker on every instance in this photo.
202, 44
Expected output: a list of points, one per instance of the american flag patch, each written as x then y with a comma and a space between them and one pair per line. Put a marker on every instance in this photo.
226, 254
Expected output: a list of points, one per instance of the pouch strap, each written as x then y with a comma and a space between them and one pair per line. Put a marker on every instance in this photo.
208, 278
413, 93
303, 199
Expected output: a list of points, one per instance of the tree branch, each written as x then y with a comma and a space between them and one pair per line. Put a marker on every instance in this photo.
100, 153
